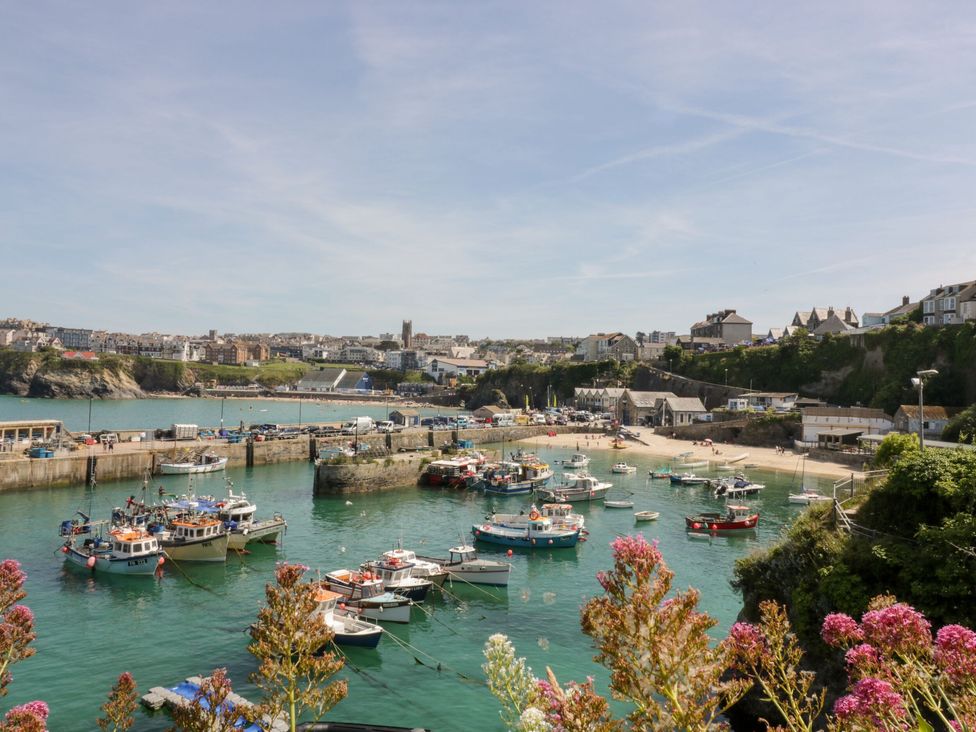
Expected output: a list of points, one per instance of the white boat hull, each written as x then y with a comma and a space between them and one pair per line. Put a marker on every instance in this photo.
137, 566
388, 613
265, 532
213, 549
496, 576
192, 468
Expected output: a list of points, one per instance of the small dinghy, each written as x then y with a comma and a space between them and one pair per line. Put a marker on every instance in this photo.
647, 515
618, 504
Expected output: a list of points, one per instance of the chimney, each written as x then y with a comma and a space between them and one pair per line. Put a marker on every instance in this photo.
905, 299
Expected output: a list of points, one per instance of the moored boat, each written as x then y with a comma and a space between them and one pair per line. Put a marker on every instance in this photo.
194, 539
366, 595
348, 630
464, 565
623, 468
662, 472
538, 533
207, 462
561, 515
457, 473
647, 515
807, 497
736, 518
513, 478
736, 488
693, 464
398, 577
623, 503
421, 568
119, 550
237, 514
577, 461
688, 479
576, 488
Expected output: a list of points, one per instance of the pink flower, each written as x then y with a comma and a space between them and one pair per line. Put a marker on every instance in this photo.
955, 653
871, 702
898, 628
840, 629
31, 715
20, 615
862, 657
746, 643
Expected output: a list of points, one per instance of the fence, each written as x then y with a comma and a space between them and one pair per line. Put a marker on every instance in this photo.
851, 487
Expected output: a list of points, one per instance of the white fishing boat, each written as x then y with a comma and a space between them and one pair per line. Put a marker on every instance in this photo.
348, 630
98, 547
577, 461
538, 533
422, 568
737, 488
398, 577
647, 515
195, 539
237, 514
366, 595
464, 565
623, 468
204, 463
560, 514
575, 488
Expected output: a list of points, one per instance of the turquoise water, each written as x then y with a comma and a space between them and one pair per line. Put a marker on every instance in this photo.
131, 414
162, 630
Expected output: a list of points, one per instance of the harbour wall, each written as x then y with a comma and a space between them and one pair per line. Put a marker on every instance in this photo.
132, 460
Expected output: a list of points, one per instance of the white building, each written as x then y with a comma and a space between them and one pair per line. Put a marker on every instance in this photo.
677, 411
842, 424
598, 399
950, 304
445, 368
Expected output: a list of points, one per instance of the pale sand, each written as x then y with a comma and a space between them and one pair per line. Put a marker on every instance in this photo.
663, 449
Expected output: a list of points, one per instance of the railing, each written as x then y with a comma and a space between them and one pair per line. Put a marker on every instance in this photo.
853, 486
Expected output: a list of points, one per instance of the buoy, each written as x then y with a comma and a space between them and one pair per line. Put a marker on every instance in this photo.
696, 525
477, 533
712, 527
533, 541
64, 549
90, 563
550, 541
507, 554
162, 561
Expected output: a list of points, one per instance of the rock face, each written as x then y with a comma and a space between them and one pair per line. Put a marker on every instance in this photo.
36, 376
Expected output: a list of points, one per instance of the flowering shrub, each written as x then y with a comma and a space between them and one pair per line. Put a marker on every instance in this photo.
120, 706
654, 642
16, 635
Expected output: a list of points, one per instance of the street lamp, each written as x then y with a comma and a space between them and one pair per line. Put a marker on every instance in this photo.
726, 377
919, 383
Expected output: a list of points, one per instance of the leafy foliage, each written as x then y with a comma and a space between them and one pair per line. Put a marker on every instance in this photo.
962, 427
120, 706
209, 710
893, 446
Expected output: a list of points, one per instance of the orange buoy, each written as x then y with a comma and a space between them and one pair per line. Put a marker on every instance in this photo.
508, 553
90, 563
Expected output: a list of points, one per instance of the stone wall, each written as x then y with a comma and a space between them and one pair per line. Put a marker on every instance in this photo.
380, 474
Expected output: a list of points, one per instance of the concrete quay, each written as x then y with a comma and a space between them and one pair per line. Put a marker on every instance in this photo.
131, 460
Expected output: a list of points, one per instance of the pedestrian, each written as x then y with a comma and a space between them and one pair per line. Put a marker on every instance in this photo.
111, 446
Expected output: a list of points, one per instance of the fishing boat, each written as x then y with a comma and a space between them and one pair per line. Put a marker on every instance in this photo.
237, 514
514, 477
348, 629
366, 595
623, 468
736, 488
398, 577
464, 565
688, 479
577, 461
807, 497
422, 568
207, 462
457, 473
736, 518
538, 533
194, 538
113, 550
561, 515
623, 503
662, 472
647, 515
575, 488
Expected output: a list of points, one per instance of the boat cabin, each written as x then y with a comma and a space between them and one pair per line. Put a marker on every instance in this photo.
462, 554
133, 544
195, 530
327, 600
391, 570
556, 510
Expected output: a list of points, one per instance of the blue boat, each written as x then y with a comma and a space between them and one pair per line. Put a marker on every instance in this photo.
537, 533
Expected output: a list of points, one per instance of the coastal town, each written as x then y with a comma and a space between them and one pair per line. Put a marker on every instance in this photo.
487, 367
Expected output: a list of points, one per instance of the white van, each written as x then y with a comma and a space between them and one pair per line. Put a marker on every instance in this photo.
359, 426
503, 420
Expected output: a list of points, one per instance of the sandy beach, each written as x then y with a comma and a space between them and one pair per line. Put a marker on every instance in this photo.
663, 449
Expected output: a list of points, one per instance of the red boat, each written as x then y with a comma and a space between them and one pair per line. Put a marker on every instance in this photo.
738, 518
459, 473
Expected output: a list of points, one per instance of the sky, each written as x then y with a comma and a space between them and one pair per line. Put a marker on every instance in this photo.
499, 169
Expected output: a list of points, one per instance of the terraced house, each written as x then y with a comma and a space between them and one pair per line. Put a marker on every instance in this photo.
950, 304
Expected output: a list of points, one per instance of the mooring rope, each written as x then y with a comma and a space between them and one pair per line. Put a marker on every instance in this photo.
440, 665
190, 580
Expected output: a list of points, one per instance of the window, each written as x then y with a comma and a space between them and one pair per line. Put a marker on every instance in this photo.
929, 306
949, 303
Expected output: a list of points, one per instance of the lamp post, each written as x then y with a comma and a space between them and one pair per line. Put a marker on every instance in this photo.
222, 401
919, 383
299, 412
89, 414
726, 377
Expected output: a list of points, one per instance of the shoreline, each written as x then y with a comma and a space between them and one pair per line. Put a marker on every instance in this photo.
664, 449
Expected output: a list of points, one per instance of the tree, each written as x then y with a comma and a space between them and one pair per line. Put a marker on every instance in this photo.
121, 705
962, 427
641, 337
290, 638
893, 446
209, 711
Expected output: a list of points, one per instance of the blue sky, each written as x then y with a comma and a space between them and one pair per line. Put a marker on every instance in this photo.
492, 168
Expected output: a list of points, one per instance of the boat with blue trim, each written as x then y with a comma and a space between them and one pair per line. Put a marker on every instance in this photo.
537, 533
126, 550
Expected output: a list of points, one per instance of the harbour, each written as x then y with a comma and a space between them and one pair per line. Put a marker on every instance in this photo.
192, 618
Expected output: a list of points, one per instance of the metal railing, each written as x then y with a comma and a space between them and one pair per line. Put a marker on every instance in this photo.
851, 487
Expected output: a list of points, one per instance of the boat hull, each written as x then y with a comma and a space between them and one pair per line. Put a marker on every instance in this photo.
494, 576
485, 532
264, 532
390, 612
192, 468
719, 525
213, 549
138, 566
